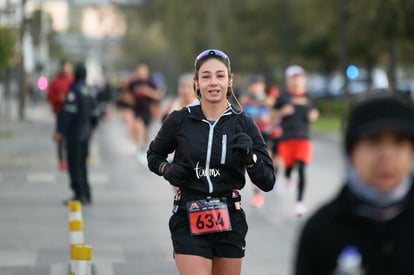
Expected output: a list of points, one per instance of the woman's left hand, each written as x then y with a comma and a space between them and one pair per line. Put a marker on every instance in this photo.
243, 144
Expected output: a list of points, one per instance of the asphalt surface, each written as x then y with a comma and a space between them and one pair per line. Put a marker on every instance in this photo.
127, 225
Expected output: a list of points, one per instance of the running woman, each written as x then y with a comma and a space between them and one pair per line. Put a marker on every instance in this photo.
214, 145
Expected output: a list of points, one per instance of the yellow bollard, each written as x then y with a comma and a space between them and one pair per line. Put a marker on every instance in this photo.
75, 210
81, 259
76, 237
76, 232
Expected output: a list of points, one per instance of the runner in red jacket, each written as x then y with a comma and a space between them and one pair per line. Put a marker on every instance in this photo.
56, 95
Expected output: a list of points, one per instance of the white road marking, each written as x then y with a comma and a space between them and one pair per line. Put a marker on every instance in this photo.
41, 178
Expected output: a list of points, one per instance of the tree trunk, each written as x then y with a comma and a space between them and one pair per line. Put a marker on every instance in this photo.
392, 68
370, 68
7, 109
22, 80
286, 34
343, 59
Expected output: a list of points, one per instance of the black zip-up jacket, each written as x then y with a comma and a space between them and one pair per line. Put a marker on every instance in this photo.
203, 153
385, 246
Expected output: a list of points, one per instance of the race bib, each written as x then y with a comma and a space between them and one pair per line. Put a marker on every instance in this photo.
208, 216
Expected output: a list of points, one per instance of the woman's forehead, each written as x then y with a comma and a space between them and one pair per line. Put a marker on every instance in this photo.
212, 65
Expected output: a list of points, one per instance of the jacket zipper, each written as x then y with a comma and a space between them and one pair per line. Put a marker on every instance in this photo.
208, 157
209, 149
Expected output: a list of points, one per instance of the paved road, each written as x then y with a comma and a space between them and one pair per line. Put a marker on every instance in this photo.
128, 223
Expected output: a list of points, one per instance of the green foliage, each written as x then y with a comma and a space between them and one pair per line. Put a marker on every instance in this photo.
5, 134
35, 25
330, 110
329, 106
7, 47
327, 124
263, 36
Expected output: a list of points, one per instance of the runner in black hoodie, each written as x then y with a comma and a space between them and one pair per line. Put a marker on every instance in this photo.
214, 145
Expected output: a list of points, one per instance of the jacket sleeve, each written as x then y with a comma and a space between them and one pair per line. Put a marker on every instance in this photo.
164, 143
68, 112
262, 173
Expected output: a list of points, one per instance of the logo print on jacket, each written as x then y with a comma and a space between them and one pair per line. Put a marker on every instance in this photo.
193, 206
202, 172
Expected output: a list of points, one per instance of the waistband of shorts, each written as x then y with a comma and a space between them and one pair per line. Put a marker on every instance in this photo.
189, 195
233, 198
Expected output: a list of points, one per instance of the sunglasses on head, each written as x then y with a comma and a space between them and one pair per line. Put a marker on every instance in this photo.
212, 52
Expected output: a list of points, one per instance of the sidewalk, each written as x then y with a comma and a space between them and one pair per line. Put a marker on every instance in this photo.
34, 238
33, 234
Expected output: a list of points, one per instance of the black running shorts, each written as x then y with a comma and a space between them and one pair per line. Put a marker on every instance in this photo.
230, 244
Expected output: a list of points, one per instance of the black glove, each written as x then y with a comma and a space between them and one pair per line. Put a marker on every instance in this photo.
242, 144
175, 174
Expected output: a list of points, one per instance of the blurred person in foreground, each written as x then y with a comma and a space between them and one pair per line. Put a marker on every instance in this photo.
296, 111
368, 227
75, 124
56, 95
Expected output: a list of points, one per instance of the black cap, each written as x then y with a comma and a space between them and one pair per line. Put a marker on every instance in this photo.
373, 115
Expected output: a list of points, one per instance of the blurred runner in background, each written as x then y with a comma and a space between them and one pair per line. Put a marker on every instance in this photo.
185, 94
185, 97
145, 93
257, 104
125, 105
56, 95
296, 111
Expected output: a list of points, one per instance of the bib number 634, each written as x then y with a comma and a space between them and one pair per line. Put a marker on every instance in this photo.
209, 220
